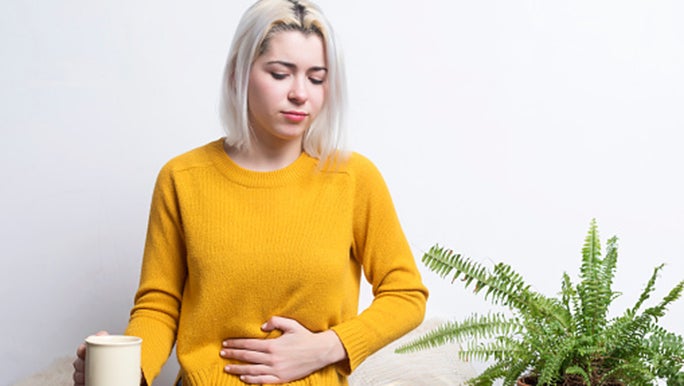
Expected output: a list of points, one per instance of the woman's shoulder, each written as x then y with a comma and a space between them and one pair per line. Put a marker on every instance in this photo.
201, 156
361, 169
355, 162
363, 164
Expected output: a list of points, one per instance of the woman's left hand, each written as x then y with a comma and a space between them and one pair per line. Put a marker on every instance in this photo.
297, 353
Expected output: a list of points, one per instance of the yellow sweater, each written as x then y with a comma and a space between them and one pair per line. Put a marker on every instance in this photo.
227, 248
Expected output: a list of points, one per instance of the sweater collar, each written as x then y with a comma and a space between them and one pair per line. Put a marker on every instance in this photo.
303, 166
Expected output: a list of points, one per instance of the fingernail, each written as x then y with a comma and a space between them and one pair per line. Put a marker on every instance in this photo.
225, 344
223, 353
263, 326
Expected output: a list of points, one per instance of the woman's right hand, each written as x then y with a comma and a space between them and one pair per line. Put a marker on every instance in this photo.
79, 363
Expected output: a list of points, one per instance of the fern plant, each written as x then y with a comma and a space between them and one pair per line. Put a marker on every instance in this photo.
563, 340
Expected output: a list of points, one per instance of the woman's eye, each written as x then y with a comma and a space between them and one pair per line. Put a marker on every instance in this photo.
316, 81
278, 75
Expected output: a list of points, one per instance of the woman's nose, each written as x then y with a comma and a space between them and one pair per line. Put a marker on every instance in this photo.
298, 93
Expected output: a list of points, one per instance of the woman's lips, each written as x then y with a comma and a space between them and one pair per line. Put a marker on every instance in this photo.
294, 116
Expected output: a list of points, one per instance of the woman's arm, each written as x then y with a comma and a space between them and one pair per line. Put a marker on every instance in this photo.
156, 311
382, 250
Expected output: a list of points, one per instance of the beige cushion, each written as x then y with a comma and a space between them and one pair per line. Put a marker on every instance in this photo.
57, 374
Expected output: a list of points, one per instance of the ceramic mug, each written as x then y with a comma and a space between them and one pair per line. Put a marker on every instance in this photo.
112, 360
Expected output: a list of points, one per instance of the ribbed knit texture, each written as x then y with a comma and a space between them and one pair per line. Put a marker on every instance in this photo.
227, 248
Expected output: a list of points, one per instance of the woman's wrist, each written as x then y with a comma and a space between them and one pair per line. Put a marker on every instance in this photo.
334, 349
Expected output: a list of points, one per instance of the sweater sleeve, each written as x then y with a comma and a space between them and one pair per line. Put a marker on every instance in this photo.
380, 246
155, 314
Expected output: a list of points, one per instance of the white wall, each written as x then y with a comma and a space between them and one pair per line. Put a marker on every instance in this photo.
502, 128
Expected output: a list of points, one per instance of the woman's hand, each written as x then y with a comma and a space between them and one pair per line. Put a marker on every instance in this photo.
79, 363
297, 353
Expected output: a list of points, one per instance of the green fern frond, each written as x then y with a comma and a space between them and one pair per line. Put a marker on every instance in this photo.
548, 311
509, 370
677, 380
507, 282
444, 261
666, 352
440, 261
554, 361
608, 273
634, 371
500, 349
625, 335
591, 251
487, 326
594, 296
503, 286
577, 370
659, 310
517, 368
473, 327
568, 293
650, 287
490, 374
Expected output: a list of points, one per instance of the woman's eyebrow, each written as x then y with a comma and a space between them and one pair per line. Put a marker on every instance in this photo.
283, 63
294, 66
318, 68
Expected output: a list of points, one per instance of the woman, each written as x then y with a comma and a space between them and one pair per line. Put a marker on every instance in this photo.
256, 242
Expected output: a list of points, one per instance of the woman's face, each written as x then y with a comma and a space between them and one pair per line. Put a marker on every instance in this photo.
287, 87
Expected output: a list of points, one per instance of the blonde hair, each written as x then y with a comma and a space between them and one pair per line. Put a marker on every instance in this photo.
325, 137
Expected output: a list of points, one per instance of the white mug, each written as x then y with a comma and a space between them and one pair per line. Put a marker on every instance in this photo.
112, 360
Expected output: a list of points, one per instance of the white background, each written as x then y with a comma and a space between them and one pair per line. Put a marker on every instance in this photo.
502, 128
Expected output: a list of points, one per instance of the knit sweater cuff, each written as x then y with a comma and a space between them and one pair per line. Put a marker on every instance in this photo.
355, 343
157, 344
